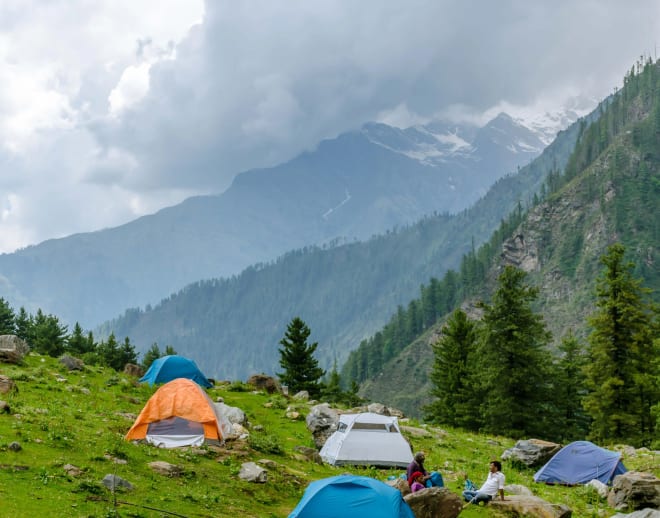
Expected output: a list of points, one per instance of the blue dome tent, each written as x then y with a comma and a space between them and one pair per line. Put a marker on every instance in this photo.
351, 496
578, 463
172, 367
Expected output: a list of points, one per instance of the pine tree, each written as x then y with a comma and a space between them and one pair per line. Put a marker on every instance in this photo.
24, 325
48, 335
7, 318
571, 421
622, 373
512, 359
332, 391
301, 369
78, 343
450, 373
152, 354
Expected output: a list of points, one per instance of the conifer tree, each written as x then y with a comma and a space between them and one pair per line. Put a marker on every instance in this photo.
512, 360
571, 422
301, 369
622, 373
152, 354
24, 324
7, 318
450, 374
332, 391
78, 343
48, 336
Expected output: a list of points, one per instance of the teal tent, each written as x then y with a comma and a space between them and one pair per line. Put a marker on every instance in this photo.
351, 496
171, 367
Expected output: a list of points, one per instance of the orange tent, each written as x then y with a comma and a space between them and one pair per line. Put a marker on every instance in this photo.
179, 413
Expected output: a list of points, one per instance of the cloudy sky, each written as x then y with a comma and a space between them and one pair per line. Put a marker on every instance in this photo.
116, 108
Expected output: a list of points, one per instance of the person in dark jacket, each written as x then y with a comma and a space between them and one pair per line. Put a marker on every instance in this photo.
428, 479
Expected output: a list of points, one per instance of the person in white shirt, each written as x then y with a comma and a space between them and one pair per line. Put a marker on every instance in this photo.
494, 484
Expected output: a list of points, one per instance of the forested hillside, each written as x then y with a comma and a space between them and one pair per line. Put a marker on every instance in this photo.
344, 292
608, 192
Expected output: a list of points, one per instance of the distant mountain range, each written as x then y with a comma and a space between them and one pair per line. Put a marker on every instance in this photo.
352, 187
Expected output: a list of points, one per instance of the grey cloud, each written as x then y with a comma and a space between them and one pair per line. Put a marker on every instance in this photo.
258, 82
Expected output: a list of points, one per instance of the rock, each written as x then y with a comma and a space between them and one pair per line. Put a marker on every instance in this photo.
531, 452
4, 407
165, 468
232, 413
600, 488
263, 382
267, 463
378, 408
434, 502
415, 432
644, 513
401, 484
322, 421
239, 431
115, 482
251, 472
532, 506
517, 489
72, 471
303, 395
7, 385
309, 454
634, 490
12, 349
133, 370
293, 415
14, 446
71, 363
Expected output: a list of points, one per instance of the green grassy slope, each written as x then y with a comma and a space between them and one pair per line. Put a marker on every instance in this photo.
60, 417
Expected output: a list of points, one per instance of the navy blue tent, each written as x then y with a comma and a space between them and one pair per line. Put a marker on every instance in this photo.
351, 496
580, 462
171, 367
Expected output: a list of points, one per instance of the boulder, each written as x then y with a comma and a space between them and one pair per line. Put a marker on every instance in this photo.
634, 490
399, 483
72, 363
7, 385
434, 502
644, 513
415, 432
531, 452
309, 454
115, 482
378, 408
4, 407
303, 395
72, 471
251, 472
234, 414
133, 370
322, 421
263, 382
600, 488
12, 349
165, 468
530, 506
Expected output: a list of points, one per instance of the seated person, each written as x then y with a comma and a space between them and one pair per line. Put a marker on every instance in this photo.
415, 481
429, 479
494, 484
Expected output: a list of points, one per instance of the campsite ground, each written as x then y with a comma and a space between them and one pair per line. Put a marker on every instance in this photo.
61, 417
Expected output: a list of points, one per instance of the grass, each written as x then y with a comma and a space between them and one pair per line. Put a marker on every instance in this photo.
80, 418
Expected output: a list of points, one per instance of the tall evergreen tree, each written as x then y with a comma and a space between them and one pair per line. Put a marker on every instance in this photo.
450, 374
78, 343
301, 369
7, 318
571, 421
24, 325
332, 391
622, 373
512, 359
48, 335
152, 354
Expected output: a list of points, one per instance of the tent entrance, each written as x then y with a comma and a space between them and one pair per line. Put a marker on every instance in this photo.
175, 431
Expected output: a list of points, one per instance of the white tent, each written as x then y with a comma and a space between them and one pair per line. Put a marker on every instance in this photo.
367, 439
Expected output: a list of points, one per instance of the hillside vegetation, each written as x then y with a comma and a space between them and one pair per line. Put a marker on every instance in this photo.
344, 292
608, 192
61, 417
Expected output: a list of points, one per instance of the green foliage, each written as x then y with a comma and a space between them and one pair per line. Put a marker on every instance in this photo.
7, 323
623, 366
47, 335
301, 369
512, 359
455, 402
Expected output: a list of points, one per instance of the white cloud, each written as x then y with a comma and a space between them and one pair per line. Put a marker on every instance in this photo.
115, 108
